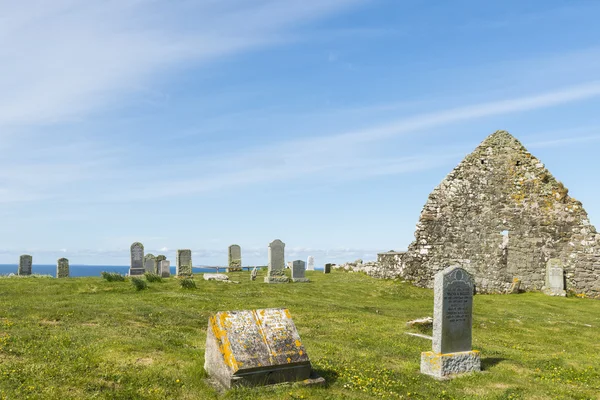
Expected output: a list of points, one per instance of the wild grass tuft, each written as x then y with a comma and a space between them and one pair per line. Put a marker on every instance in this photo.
112, 276
139, 283
150, 277
187, 283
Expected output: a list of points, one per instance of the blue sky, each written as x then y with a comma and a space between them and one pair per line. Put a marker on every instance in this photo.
326, 124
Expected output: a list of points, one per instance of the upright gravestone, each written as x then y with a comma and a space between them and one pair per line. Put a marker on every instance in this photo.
255, 347
299, 271
555, 278
310, 263
62, 268
164, 268
159, 258
137, 259
150, 263
275, 272
452, 325
234, 259
25, 262
327, 268
183, 262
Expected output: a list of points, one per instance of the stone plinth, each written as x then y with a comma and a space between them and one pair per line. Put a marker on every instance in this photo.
255, 348
442, 366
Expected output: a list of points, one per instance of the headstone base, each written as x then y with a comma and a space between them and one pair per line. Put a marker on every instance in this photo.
136, 271
300, 280
276, 279
443, 366
555, 292
234, 269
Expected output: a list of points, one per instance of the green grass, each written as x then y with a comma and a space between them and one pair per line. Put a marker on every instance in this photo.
82, 338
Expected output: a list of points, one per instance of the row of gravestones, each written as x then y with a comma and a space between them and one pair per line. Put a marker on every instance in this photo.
26, 261
141, 264
275, 271
263, 347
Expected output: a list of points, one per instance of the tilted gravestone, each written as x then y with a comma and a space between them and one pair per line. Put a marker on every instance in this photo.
183, 262
150, 263
288, 265
555, 278
137, 259
275, 272
253, 274
327, 269
159, 258
62, 268
164, 268
234, 261
310, 263
25, 262
452, 325
299, 271
255, 347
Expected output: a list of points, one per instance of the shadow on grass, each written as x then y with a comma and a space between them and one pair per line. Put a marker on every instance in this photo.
489, 362
329, 375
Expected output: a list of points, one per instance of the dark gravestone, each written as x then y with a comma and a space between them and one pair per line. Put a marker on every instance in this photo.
25, 262
327, 268
137, 259
299, 271
62, 268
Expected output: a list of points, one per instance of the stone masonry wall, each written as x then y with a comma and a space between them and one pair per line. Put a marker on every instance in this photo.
500, 214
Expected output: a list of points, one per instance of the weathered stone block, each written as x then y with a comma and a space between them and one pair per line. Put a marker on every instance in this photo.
234, 258
255, 348
443, 366
183, 262
62, 268
25, 263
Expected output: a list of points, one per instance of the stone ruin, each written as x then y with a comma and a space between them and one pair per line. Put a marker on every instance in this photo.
501, 215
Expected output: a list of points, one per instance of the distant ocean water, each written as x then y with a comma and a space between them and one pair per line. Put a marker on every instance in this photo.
84, 270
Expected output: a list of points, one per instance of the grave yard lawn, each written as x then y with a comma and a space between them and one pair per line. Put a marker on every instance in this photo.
82, 338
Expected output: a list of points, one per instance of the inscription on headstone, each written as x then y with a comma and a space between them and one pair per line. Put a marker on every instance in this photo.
137, 259
234, 258
452, 326
62, 268
25, 262
310, 263
298, 271
150, 263
275, 272
555, 278
255, 347
183, 262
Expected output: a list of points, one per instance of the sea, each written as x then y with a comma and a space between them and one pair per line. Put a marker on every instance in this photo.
87, 270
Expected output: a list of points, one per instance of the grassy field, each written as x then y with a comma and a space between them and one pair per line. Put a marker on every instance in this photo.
83, 338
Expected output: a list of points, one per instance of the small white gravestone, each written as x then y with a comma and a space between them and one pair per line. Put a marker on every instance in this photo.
298, 271
310, 263
253, 274
555, 278
164, 268
276, 273
215, 277
452, 325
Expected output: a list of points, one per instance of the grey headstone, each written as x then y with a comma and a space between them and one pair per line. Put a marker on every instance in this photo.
275, 272
299, 271
62, 268
255, 347
137, 259
452, 326
183, 262
159, 258
25, 262
150, 263
555, 278
234, 258
327, 269
310, 263
164, 268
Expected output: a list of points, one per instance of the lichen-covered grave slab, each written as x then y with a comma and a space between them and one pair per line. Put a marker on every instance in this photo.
255, 347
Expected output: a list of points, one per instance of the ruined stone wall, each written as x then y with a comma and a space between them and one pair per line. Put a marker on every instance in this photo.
501, 214
387, 266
